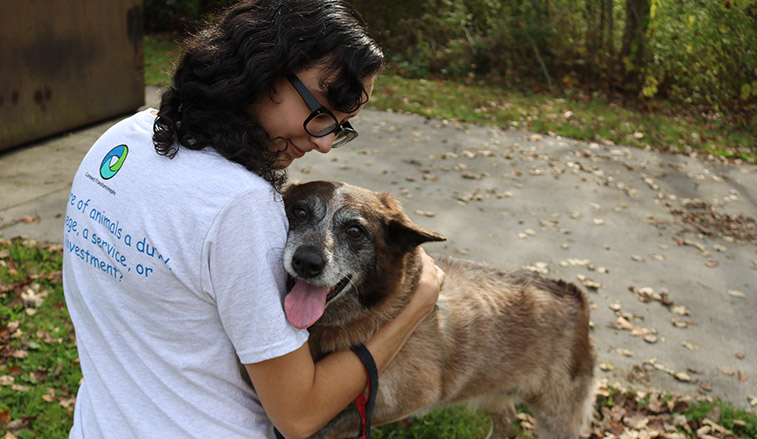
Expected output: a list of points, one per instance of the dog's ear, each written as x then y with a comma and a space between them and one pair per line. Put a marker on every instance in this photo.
400, 230
407, 235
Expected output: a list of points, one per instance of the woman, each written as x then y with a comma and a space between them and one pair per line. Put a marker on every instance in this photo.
175, 232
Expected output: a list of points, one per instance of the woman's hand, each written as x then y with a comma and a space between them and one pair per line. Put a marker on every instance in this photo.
427, 291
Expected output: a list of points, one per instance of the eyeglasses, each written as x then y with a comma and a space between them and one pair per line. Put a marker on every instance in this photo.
321, 121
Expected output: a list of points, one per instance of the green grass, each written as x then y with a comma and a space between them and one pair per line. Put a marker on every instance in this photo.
584, 117
453, 423
161, 54
39, 366
736, 420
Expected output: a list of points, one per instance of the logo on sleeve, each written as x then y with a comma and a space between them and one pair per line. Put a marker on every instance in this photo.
113, 161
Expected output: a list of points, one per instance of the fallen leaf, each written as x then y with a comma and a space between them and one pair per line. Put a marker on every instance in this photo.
680, 323
649, 335
736, 293
650, 338
680, 421
425, 213
716, 427
725, 370
526, 421
34, 295
703, 432
471, 176
28, 219
67, 402
40, 374
680, 310
714, 414
588, 283
637, 422
683, 377
539, 267
50, 395
624, 352
701, 247
623, 323
574, 262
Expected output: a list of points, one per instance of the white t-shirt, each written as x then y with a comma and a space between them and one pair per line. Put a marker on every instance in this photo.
173, 275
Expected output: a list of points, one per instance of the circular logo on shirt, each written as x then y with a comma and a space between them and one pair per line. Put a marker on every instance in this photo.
113, 161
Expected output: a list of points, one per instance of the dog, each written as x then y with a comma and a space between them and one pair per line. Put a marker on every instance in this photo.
495, 338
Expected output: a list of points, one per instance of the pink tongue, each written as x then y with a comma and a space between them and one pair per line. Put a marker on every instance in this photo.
304, 304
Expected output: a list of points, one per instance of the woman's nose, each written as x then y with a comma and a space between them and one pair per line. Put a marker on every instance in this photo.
323, 144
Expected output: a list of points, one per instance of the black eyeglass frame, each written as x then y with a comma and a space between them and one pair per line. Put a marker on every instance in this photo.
316, 109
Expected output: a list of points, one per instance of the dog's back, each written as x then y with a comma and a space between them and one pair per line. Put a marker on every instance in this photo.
516, 336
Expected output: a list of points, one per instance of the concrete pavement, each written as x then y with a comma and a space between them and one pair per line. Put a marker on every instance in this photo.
665, 245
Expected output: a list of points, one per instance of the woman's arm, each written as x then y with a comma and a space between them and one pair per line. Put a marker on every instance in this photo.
300, 396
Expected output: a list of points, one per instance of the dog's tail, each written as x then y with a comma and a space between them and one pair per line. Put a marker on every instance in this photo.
561, 288
584, 354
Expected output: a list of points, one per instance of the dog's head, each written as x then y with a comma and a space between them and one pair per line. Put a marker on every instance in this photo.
347, 250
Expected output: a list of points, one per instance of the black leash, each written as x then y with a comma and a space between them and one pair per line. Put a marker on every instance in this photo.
364, 403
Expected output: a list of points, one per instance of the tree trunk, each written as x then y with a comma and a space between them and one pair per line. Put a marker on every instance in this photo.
609, 42
593, 64
632, 55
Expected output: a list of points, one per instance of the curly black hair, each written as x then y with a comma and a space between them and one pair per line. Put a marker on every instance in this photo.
234, 62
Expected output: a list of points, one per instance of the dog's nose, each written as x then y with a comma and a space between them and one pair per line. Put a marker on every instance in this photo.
308, 262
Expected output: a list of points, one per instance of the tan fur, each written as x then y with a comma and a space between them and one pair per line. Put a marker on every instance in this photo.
496, 337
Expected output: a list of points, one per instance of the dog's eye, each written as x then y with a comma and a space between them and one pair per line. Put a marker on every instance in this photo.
299, 213
355, 232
